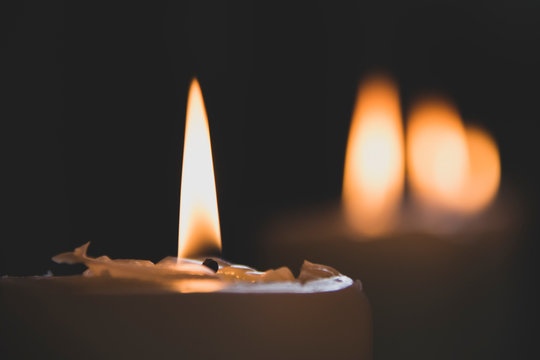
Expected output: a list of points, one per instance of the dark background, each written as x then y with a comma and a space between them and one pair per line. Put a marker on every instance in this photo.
93, 107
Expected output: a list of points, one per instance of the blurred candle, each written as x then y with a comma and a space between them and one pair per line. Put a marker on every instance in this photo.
436, 260
374, 163
450, 167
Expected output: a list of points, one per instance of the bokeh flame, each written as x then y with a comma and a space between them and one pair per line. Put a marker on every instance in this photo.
449, 166
374, 162
199, 231
484, 171
436, 152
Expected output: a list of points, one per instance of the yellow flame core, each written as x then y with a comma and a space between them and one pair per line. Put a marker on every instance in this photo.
450, 166
199, 220
374, 162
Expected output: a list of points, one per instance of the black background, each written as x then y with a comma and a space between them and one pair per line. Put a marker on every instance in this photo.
94, 97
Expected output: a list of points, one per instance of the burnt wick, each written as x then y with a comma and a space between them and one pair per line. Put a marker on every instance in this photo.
212, 264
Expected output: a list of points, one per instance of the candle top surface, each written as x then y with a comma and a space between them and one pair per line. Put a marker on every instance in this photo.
191, 276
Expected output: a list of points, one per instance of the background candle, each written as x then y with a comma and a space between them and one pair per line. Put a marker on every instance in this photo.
93, 130
434, 253
428, 290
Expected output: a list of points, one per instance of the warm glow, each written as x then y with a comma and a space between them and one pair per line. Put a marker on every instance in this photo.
199, 231
448, 166
374, 162
484, 171
196, 285
436, 152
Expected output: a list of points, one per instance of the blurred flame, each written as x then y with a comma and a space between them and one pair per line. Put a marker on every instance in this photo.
484, 171
450, 166
199, 221
436, 152
374, 162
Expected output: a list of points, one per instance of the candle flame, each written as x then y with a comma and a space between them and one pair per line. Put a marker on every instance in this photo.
199, 231
450, 166
484, 171
436, 152
374, 161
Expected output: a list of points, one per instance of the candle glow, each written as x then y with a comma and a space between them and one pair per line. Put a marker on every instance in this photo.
484, 171
450, 166
374, 163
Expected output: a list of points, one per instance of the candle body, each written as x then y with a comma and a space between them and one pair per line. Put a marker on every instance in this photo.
88, 318
433, 296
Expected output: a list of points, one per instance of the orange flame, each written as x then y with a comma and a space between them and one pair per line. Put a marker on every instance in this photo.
449, 166
484, 171
374, 162
436, 152
199, 229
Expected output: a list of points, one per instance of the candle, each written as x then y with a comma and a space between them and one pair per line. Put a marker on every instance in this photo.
199, 231
416, 254
453, 172
186, 306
